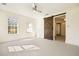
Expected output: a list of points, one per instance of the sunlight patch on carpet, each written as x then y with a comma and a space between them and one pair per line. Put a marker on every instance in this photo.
15, 48
30, 47
23, 47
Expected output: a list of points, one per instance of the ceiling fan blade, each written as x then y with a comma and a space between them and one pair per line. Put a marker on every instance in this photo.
4, 3
34, 6
39, 11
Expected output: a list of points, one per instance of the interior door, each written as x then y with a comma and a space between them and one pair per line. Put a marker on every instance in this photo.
48, 28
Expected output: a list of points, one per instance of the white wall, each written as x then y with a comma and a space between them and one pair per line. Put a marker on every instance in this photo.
72, 26
3, 27
22, 22
40, 28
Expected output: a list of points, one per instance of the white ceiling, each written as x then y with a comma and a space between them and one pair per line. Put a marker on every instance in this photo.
46, 8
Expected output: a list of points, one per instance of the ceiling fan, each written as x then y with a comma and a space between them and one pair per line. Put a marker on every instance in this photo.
35, 8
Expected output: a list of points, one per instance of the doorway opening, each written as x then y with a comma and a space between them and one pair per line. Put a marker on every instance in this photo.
59, 27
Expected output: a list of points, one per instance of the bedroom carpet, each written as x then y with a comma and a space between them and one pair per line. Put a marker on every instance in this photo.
43, 47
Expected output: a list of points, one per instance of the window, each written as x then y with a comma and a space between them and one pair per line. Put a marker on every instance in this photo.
12, 25
29, 29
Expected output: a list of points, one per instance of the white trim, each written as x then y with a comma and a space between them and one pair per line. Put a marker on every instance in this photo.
53, 28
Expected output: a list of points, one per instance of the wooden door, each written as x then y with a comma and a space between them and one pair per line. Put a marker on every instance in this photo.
48, 28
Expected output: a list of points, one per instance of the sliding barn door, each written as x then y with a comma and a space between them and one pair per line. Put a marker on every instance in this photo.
48, 28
